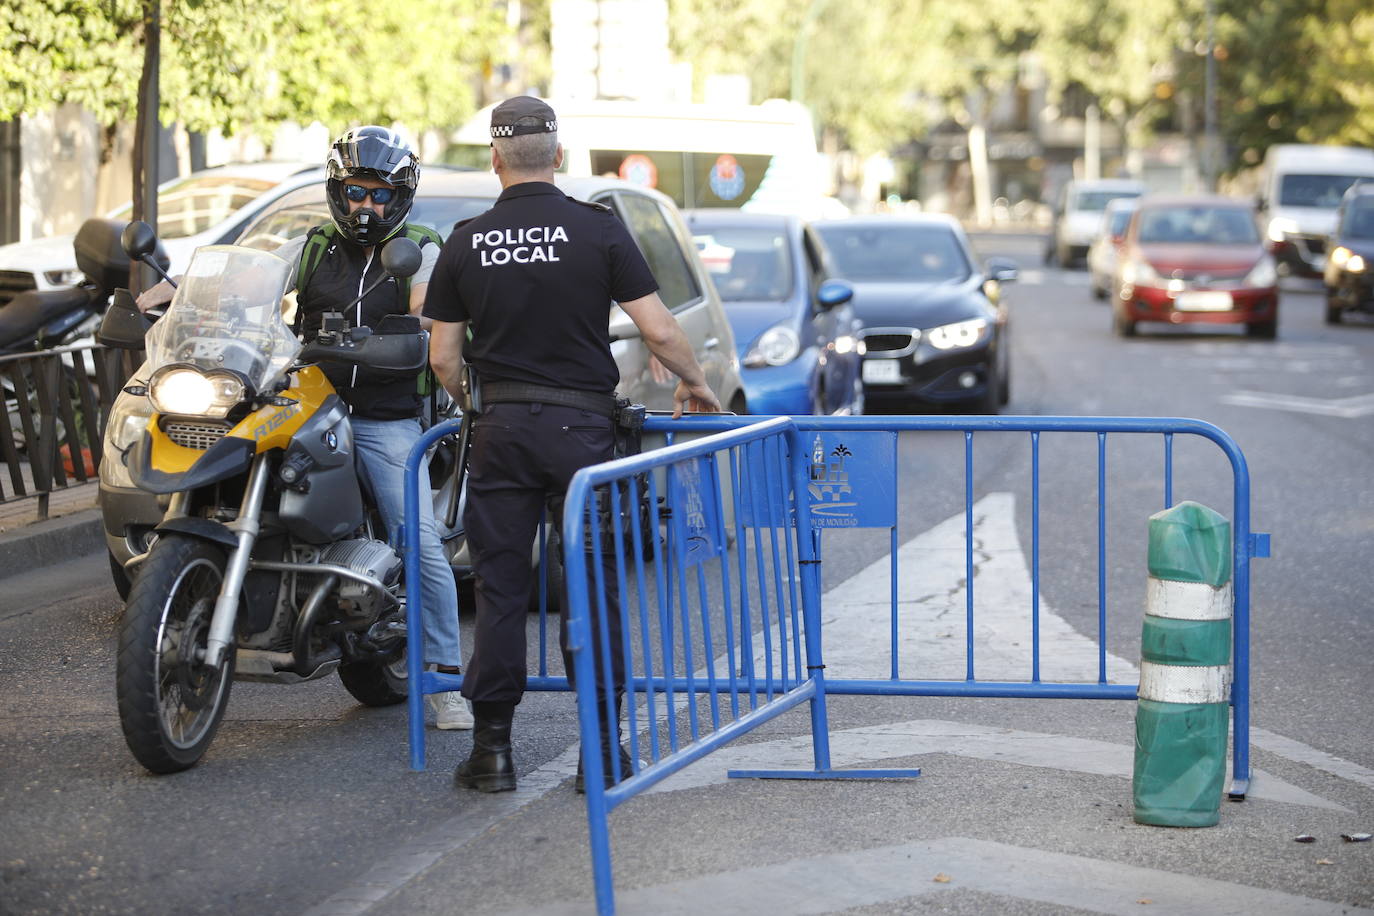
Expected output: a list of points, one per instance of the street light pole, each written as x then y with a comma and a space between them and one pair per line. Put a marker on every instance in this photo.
1209, 105
797, 89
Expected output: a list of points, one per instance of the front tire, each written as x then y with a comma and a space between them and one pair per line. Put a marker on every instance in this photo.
377, 683
1123, 326
170, 703
1333, 307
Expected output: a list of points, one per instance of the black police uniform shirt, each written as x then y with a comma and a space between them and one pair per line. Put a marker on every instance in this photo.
535, 275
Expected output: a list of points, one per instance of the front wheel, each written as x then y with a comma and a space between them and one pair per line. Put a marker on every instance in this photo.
1333, 307
377, 683
170, 702
1123, 326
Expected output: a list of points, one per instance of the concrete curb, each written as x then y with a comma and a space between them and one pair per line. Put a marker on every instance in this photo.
55, 540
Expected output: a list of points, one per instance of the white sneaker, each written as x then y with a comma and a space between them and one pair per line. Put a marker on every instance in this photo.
450, 710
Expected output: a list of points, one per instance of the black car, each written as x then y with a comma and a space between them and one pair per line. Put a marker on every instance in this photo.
934, 324
1349, 272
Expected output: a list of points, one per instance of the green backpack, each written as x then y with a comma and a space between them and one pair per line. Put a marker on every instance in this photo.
317, 242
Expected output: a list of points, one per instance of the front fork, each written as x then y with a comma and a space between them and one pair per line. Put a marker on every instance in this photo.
246, 526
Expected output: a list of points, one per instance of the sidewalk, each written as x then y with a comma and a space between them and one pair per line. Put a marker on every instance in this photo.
72, 529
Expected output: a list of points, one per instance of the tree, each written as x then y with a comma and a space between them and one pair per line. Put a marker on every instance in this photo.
251, 64
1120, 51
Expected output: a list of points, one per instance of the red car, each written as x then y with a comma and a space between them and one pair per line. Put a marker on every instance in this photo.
1195, 259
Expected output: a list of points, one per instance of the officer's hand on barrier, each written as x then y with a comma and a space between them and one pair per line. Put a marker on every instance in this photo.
694, 399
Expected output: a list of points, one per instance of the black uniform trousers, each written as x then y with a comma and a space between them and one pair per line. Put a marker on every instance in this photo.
521, 459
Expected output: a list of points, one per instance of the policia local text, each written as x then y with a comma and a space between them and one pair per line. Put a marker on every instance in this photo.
521, 246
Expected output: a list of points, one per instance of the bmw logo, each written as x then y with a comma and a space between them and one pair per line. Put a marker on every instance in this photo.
331, 440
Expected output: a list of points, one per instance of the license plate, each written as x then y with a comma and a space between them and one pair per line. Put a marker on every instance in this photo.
1204, 301
882, 371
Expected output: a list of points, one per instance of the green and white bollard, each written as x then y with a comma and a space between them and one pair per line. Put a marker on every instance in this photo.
1181, 718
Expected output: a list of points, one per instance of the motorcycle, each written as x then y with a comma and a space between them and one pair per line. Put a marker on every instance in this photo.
269, 564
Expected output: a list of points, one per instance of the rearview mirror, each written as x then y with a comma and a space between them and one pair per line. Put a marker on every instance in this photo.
834, 293
138, 240
1003, 270
401, 257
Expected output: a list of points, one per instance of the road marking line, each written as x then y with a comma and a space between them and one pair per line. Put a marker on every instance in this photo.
1321, 760
842, 881
1350, 408
858, 747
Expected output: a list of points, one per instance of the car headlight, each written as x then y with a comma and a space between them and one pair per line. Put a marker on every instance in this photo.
128, 419
777, 346
846, 344
959, 334
1279, 227
187, 392
1139, 272
1262, 274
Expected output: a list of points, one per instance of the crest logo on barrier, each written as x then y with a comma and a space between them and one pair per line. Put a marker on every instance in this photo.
851, 483
695, 496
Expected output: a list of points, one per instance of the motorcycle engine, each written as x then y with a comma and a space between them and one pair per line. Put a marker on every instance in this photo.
367, 557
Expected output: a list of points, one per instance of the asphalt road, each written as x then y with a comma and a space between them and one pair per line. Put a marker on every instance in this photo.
305, 804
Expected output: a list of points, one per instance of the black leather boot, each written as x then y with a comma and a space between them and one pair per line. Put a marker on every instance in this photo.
609, 738
489, 768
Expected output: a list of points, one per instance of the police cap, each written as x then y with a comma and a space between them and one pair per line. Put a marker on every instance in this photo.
522, 115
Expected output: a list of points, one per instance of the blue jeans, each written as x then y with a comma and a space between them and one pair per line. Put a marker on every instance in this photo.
382, 448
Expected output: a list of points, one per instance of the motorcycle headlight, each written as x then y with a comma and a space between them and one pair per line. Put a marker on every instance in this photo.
1340, 254
1262, 274
777, 346
188, 392
128, 419
959, 334
1355, 265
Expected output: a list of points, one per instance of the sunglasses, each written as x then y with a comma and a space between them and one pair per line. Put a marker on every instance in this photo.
380, 196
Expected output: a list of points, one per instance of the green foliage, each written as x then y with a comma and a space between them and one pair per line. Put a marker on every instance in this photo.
251, 64
79, 51
1287, 69
1296, 71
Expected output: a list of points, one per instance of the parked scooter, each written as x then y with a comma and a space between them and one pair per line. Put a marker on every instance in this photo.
38, 320
44, 319
270, 563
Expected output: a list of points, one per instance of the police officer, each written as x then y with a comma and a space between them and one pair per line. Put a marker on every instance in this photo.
535, 277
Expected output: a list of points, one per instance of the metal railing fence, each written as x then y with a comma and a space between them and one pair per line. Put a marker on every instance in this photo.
56, 404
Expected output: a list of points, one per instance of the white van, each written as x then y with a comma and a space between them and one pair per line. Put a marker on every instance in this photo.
1078, 216
1301, 187
754, 157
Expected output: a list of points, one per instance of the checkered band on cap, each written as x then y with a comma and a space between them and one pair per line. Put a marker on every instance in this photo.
514, 130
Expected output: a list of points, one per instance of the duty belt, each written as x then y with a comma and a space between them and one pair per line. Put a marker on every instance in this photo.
498, 392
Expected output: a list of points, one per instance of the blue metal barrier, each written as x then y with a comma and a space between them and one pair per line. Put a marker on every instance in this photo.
722, 619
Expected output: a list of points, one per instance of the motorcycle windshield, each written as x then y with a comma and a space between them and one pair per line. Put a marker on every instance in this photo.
227, 315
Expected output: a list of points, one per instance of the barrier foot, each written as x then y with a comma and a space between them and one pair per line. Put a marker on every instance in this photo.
823, 774
1238, 789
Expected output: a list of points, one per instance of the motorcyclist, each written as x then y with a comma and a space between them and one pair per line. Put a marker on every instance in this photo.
371, 176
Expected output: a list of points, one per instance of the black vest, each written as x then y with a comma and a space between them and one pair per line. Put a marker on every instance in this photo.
335, 283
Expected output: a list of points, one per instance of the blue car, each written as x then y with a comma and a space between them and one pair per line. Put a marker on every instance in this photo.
797, 336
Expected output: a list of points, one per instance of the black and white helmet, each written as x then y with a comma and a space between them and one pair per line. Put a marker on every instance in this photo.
371, 152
